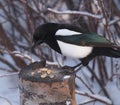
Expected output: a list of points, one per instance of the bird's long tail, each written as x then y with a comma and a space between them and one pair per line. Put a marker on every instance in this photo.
112, 53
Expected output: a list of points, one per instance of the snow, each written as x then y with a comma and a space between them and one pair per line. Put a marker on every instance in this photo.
9, 92
4, 101
67, 76
96, 96
114, 91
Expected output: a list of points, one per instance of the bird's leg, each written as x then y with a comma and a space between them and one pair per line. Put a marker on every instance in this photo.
78, 69
72, 69
77, 65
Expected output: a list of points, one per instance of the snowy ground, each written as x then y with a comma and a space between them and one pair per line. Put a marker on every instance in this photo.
9, 92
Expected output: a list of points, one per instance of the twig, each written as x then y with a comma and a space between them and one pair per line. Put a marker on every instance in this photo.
27, 11
52, 63
6, 100
75, 13
95, 96
85, 84
9, 74
6, 42
22, 55
114, 21
5, 61
105, 18
114, 75
86, 101
100, 83
4, 69
25, 56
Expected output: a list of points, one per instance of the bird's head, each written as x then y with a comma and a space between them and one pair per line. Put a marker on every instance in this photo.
38, 36
42, 32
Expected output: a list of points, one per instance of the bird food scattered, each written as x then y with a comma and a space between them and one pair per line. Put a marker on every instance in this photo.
51, 76
32, 73
44, 73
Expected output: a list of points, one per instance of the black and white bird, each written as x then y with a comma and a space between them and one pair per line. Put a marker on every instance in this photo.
70, 41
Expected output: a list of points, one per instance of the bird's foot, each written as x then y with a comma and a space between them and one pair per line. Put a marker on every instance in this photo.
73, 69
68, 68
76, 66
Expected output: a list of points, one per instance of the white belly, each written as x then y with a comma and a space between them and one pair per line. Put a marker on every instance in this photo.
74, 51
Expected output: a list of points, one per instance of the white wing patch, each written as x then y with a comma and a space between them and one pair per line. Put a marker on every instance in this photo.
74, 51
66, 32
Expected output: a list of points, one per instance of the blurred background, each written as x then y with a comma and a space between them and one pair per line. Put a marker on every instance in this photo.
18, 20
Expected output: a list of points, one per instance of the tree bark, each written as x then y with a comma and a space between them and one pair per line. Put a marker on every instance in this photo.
41, 85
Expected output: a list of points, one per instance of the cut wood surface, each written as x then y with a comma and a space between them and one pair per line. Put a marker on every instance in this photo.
42, 85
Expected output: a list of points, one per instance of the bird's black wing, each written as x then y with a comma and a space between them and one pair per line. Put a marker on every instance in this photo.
94, 40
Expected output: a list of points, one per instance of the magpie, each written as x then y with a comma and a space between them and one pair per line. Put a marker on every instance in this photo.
71, 41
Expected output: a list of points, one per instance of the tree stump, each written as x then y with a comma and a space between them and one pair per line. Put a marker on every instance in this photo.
42, 85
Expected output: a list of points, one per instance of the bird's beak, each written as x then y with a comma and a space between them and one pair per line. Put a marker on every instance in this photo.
35, 44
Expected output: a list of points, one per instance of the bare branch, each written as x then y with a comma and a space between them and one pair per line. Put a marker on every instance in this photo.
85, 84
29, 19
84, 13
114, 21
7, 101
9, 45
9, 74
95, 96
100, 83
8, 64
87, 101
